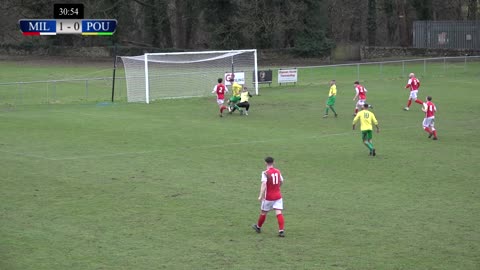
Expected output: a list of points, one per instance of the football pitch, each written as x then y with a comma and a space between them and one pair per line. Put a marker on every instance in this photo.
171, 185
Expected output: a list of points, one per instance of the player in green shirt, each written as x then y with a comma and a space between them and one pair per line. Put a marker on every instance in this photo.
367, 120
332, 95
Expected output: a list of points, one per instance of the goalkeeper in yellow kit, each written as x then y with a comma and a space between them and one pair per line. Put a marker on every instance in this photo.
367, 120
244, 96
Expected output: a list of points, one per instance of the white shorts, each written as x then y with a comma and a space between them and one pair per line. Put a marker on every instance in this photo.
220, 101
413, 94
429, 122
269, 205
360, 102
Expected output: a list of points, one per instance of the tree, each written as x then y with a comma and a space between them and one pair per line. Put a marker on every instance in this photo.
372, 22
311, 39
472, 9
423, 9
221, 18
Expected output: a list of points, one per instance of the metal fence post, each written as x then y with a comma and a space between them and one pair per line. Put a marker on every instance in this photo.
54, 90
444, 64
424, 67
358, 72
381, 70
86, 90
18, 92
48, 100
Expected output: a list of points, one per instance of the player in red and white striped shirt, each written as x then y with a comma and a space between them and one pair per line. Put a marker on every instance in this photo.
429, 121
413, 83
271, 197
361, 94
220, 89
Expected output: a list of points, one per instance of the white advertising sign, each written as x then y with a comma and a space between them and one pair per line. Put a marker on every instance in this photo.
287, 75
239, 77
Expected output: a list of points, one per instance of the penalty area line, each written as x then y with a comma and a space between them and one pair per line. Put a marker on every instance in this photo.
208, 146
211, 146
29, 155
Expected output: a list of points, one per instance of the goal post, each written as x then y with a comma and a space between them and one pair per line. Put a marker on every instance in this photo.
154, 76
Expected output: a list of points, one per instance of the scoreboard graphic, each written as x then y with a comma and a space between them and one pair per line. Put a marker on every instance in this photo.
68, 26
68, 19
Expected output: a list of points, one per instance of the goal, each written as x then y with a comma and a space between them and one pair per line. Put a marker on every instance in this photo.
154, 76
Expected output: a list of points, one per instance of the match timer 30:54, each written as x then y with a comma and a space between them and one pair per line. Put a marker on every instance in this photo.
68, 11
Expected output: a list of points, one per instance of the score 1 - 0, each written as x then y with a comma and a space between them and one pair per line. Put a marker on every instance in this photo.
69, 26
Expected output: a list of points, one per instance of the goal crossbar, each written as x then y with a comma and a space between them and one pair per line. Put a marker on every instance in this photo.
204, 52
141, 57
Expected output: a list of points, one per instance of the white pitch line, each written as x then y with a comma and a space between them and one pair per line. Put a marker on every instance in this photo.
461, 81
209, 146
30, 155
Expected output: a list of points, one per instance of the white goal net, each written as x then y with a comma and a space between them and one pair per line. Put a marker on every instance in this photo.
155, 76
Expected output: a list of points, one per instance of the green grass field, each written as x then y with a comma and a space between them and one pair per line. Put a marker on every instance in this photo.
171, 185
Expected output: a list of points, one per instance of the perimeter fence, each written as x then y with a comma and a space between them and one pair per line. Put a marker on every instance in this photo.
99, 89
